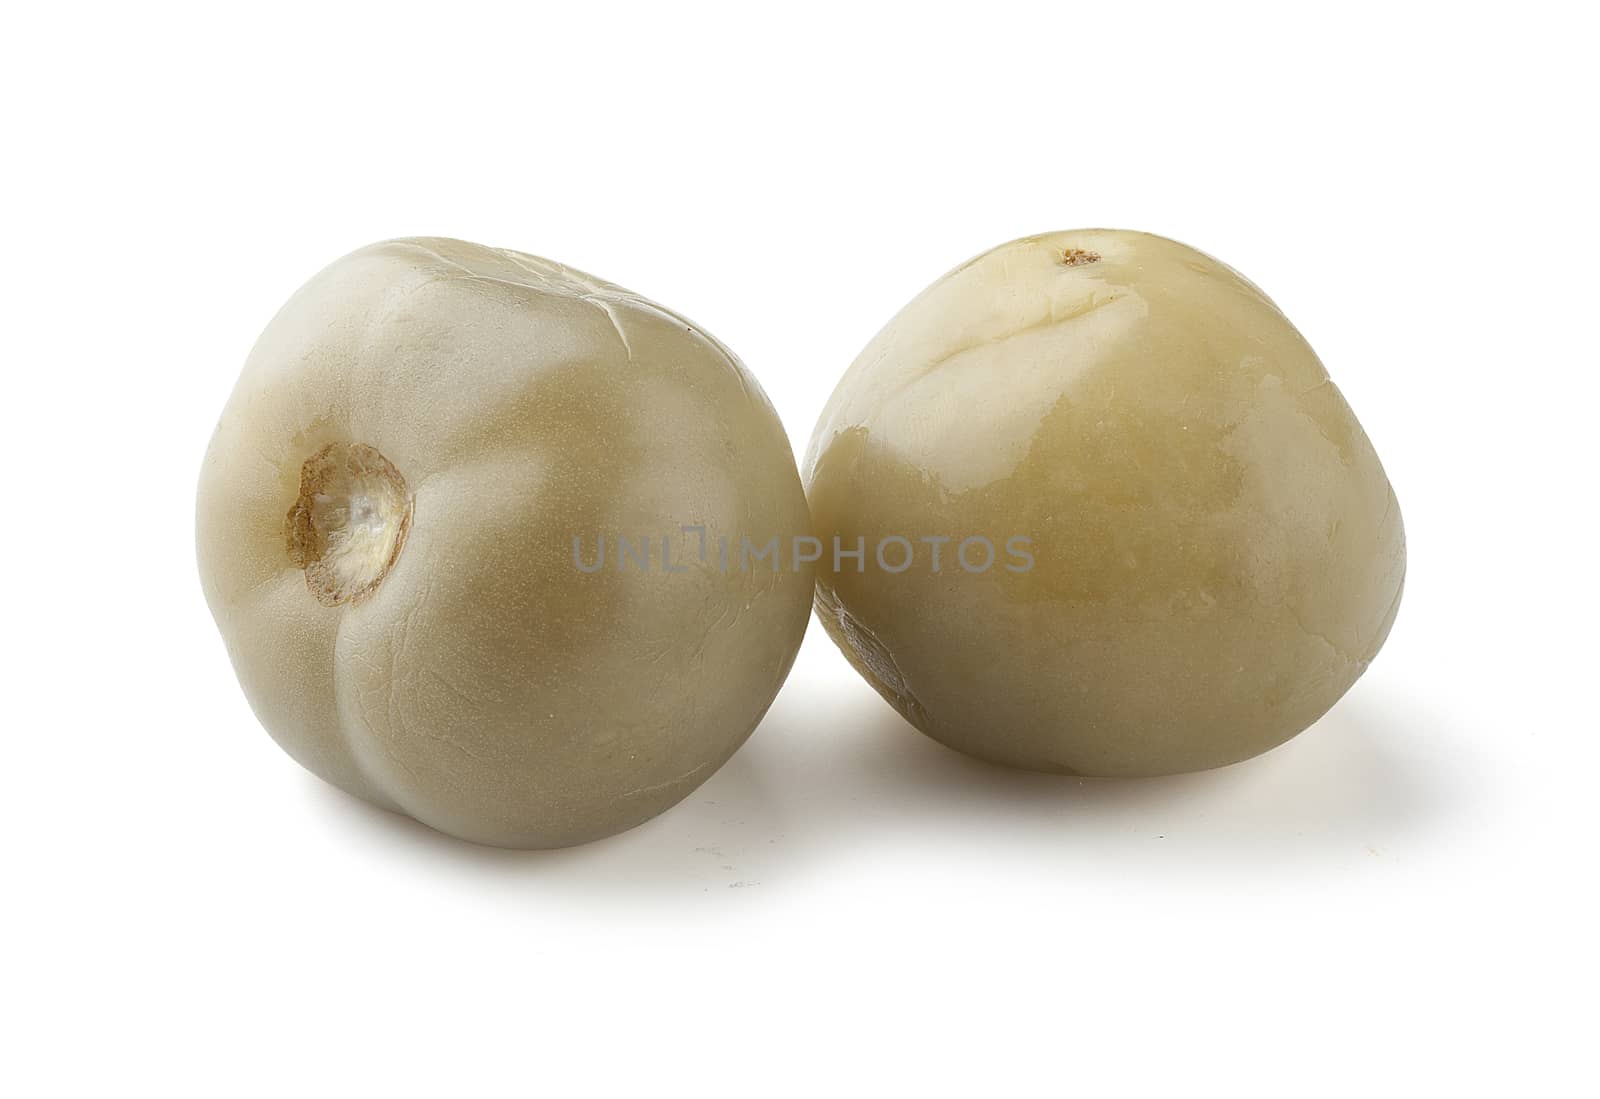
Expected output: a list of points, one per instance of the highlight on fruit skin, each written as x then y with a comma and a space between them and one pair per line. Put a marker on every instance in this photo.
1217, 552
387, 524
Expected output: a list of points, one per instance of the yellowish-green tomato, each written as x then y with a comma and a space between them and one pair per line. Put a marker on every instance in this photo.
441, 528
1193, 549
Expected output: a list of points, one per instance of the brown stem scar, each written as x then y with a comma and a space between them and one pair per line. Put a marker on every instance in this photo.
348, 526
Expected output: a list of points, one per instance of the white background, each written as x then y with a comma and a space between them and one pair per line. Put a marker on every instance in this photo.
1397, 902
